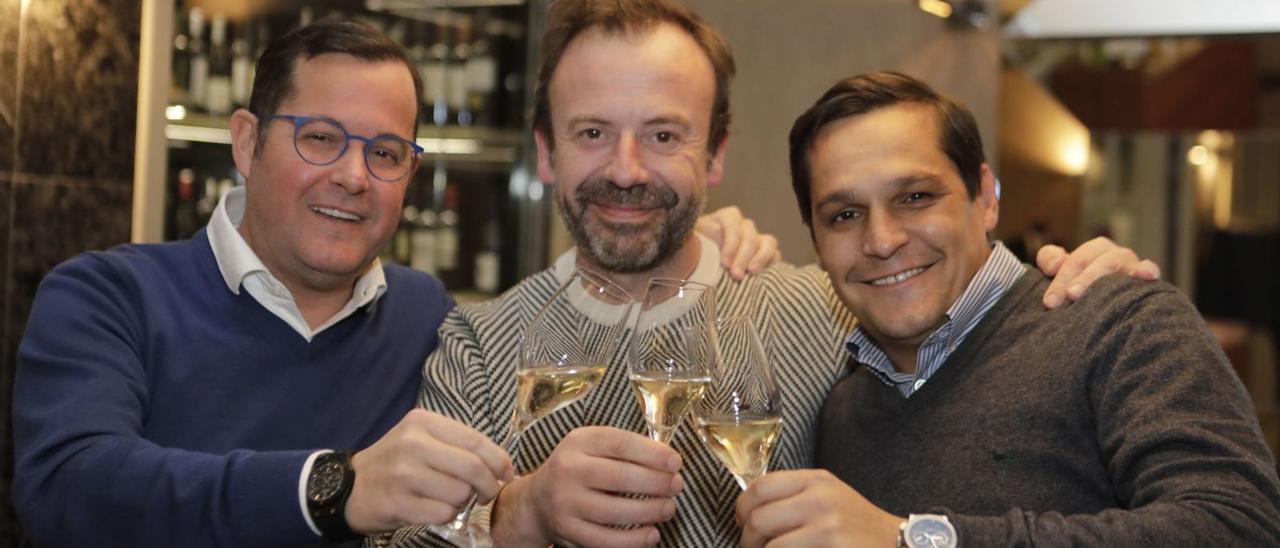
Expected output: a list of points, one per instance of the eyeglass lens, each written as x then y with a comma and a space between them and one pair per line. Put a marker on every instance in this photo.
322, 142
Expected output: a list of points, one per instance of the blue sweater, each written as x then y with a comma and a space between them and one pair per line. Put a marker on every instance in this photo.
154, 407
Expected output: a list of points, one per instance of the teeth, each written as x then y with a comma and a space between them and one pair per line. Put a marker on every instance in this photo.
897, 278
336, 214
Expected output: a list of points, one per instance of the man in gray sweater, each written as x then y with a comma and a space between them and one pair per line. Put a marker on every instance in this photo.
971, 415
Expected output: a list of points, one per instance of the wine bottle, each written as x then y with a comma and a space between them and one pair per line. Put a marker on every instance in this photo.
488, 258
423, 242
511, 62
482, 76
208, 199
401, 250
456, 73
179, 94
199, 73
185, 220
446, 244
241, 69
218, 88
433, 75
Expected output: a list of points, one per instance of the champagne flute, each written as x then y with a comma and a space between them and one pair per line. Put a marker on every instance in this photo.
740, 416
671, 352
563, 355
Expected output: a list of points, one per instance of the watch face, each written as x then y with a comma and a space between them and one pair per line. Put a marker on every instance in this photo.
930, 533
325, 482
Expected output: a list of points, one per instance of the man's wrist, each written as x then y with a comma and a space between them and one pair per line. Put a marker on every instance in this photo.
302, 490
329, 486
512, 521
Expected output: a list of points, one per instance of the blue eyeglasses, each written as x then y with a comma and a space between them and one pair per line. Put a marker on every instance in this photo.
322, 141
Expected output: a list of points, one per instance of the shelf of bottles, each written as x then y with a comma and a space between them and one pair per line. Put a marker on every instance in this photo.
471, 55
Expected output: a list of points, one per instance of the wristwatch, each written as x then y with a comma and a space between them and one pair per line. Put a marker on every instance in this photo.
328, 488
926, 531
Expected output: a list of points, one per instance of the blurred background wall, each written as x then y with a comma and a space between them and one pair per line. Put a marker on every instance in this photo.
68, 95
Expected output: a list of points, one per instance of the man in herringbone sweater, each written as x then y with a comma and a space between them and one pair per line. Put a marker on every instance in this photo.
990, 421
630, 122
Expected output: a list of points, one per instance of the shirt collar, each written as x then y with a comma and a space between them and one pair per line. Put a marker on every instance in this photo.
236, 260
1000, 271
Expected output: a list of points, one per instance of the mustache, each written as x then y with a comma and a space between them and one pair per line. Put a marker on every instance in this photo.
643, 195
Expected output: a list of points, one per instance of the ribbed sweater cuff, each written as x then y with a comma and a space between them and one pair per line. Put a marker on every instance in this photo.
264, 498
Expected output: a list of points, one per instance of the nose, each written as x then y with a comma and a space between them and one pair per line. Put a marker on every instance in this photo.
625, 168
350, 171
883, 236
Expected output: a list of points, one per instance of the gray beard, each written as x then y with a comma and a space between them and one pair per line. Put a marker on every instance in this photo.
626, 247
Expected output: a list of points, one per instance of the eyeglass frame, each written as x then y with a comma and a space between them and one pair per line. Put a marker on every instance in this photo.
299, 121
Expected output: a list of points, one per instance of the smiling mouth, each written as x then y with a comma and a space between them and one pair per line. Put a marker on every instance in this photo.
624, 211
899, 277
337, 214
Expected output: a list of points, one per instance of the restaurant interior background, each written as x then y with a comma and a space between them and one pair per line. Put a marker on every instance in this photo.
1156, 122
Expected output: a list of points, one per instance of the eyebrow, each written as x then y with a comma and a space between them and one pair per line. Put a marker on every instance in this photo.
844, 196
673, 119
578, 120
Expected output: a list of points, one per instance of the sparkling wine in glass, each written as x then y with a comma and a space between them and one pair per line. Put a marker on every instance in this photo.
740, 416
563, 355
671, 352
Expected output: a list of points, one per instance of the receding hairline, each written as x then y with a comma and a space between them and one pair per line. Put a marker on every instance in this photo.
292, 90
634, 35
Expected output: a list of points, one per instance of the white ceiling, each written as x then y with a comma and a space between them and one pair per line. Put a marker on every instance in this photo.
1131, 18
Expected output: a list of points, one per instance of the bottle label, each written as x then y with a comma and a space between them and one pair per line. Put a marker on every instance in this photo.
240, 89
482, 74
456, 77
199, 79
433, 81
487, 271
218, 95
424, 254
447, 248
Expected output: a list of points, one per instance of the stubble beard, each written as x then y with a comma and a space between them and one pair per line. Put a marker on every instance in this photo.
629, 247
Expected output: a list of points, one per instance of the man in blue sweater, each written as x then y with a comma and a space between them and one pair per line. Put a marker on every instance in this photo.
972, 416
211, 391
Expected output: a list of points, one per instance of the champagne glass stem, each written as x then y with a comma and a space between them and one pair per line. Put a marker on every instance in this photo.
460, 521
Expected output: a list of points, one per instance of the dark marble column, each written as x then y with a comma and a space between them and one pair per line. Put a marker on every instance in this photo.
68, 104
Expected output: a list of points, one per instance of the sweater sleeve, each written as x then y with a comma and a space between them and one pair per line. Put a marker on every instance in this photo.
86, 475
455, 380
1177, 434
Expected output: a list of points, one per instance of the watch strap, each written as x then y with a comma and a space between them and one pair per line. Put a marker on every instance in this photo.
330, 516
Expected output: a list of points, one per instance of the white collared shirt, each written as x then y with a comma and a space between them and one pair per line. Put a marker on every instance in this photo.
241, 268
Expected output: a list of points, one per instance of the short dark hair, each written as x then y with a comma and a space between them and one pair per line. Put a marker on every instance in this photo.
861, 94
569, 18
273, 77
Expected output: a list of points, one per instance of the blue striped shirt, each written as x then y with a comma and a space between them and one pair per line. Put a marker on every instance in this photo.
995, 277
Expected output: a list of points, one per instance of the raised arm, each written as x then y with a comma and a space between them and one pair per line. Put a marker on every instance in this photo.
743, 249
1073, 273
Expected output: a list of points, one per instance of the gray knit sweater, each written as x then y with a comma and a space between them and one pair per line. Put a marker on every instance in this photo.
1115, 421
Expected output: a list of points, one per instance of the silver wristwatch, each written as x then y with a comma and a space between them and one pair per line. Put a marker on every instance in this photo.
926, 531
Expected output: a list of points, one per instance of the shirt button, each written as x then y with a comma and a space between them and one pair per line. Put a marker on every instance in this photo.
919, 383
